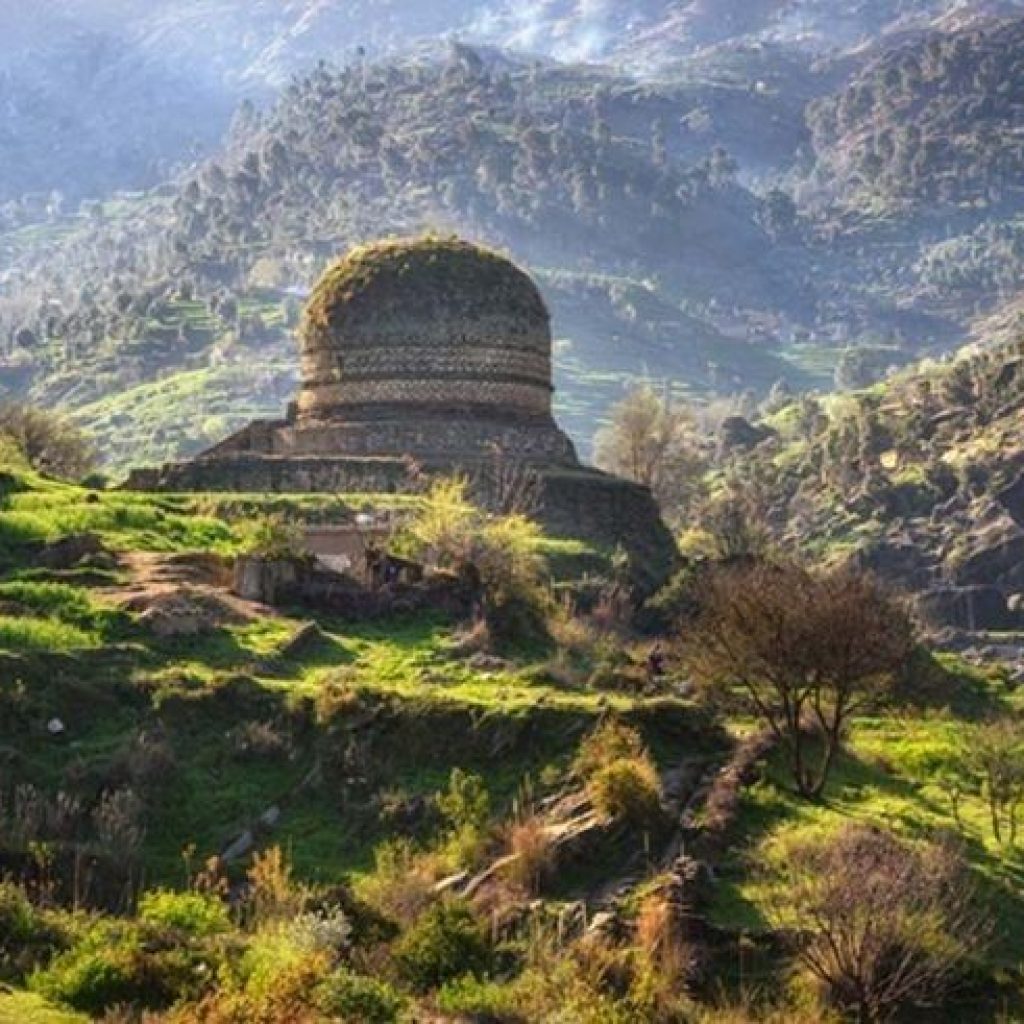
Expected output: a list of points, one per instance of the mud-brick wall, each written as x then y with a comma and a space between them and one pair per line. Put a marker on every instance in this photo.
602, 510
256, 474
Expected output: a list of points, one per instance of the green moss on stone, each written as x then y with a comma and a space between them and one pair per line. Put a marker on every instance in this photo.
429, 273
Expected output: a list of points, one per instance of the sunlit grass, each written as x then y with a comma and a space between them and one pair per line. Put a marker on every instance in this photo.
890, 778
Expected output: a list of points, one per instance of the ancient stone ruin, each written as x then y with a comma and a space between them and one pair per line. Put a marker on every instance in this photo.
433, 352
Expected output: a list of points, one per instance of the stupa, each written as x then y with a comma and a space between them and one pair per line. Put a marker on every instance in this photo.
431, 351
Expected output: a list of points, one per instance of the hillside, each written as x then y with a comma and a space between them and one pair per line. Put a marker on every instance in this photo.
551, 162
935, 121
739, 216
401, 776
918, 479
167, 75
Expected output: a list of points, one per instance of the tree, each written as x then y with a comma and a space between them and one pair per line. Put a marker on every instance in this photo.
806, 650
879, 923
654, 443
779, 213
501, 552
48, 442
995, 757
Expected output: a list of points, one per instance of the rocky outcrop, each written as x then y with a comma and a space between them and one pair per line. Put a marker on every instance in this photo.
69, 552
1012, 500
997, 559
970, 608
737, 433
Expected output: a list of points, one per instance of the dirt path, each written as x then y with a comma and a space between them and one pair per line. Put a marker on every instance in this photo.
155, 580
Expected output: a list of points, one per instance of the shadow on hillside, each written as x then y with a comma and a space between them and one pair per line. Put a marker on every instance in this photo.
858, 791
929, 685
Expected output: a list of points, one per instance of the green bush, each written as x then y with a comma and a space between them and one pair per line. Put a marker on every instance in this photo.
627, 790
194, 913
121, 966
275, 536
518, 621
90, 981
481, 1000
610, 741
446, 942
357, 999
27, 936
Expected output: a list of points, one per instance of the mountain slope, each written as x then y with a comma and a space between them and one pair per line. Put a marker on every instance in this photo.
935, 121
635, 230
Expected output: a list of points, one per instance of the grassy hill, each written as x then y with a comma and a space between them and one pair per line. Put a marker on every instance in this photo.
349, 750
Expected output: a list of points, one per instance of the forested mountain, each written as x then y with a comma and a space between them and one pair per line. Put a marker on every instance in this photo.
737, 196
938, 120
101, 94
730, 730
550, 162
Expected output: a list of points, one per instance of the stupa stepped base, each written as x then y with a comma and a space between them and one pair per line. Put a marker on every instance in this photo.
431, 438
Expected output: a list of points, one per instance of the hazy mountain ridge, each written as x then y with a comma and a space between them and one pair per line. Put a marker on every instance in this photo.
937, 120
172, 65
649, 208
550, 162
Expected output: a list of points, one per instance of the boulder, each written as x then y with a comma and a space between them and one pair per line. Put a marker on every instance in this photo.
239, 848
184, 612
900, 561
737, 433
169, 622
302, 640
998, 559
1012, 500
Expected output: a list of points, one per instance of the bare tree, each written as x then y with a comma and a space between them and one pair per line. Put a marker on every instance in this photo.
47, 441
995, 757
806, 651
508, 485
879, 923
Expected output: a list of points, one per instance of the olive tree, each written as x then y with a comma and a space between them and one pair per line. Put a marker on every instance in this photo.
994, 756
47, 441
655, 443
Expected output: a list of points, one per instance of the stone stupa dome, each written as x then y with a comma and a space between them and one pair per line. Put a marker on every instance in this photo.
426, 324
429, 356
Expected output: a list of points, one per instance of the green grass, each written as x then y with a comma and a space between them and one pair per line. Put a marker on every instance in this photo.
45, 510
55, 617
25, 1008
889, 778
19, 635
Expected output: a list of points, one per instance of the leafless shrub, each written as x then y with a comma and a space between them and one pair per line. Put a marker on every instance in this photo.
259, 740
529, 843
117, 820
30, 815
994, 755
149, 762
273, 893
878, 923
508, 485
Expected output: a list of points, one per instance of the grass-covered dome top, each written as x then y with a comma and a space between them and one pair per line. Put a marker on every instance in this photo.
428, 319
431, 275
